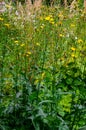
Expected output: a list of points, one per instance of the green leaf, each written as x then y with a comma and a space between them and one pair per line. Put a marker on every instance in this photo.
69, 81
77, 82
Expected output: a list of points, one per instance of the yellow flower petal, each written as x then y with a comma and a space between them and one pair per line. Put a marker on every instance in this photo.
38, 44
7, 25
80, 41
16, 41
1, 19
73, 49
22, 45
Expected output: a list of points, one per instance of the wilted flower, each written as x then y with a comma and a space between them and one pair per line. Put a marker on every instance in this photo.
41, 18
61, 16
60, 23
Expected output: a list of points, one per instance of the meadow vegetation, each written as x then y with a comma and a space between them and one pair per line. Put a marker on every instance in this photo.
42, 68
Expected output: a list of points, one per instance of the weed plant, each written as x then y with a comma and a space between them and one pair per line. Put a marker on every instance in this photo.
43, 70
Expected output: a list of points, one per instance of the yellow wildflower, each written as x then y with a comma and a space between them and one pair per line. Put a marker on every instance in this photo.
41, 26
22, 45
8, 6
1, 19
52, 22
72, 25
73, 49
7, 25
52, 19
38, 44
16, 41
73, 55
61, 35
28, 53
36, 81
80, 41
60, 15
47, 18
42, 76
56, 25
